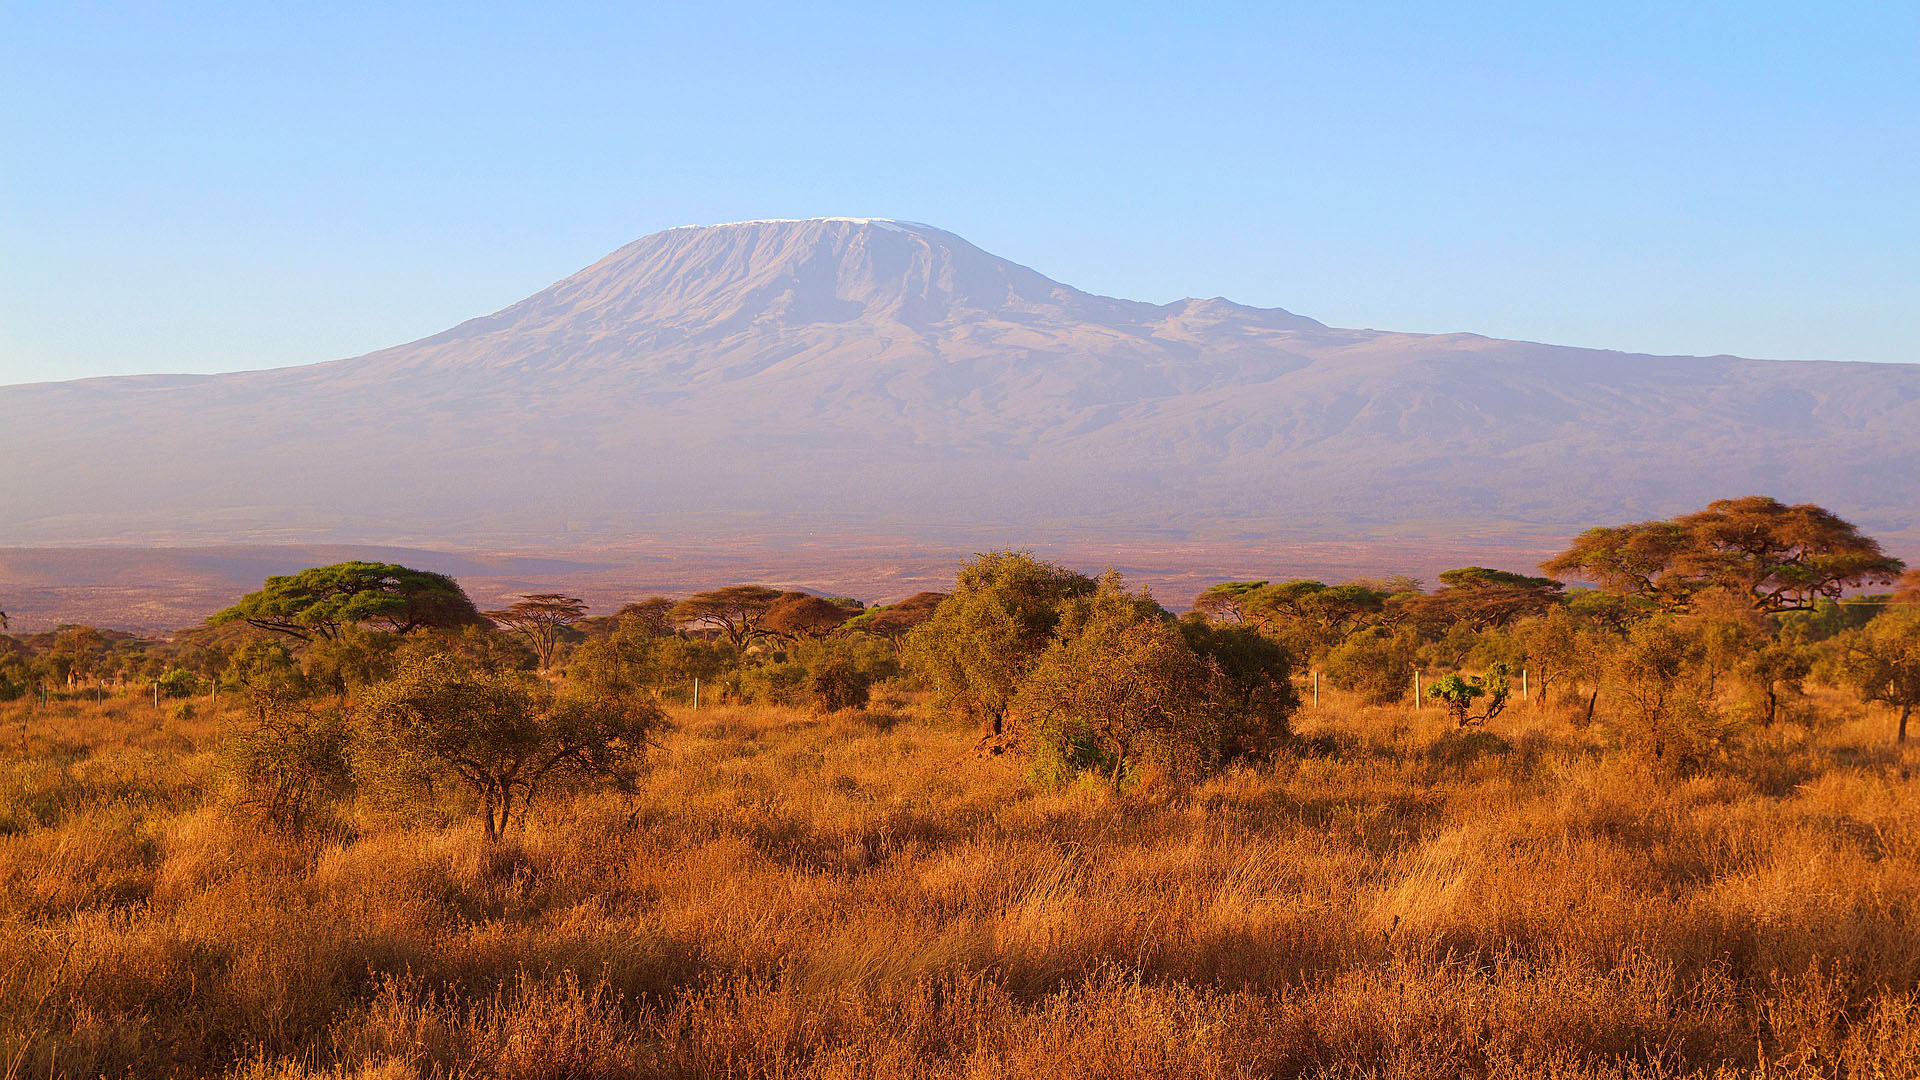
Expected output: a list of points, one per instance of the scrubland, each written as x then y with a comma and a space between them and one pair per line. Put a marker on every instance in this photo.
864, 894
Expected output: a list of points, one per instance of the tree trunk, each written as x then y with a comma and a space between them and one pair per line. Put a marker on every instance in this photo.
1905, 711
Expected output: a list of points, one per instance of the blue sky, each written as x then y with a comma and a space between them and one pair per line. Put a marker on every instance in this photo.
201, 188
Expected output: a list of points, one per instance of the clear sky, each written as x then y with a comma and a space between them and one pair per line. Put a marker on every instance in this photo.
204, 188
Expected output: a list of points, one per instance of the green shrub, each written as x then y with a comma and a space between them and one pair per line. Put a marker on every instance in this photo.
777, 683
287, 761
178, 683
1058, 762
1459, 692
1376, 664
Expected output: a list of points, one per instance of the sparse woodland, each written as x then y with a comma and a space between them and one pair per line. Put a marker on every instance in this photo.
1651, 814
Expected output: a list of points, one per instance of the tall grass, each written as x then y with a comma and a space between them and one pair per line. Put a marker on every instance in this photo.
860, 895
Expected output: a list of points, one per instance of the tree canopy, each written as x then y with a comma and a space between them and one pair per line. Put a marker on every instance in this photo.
1906, 591
734, 611
1480, 597
501, 735
799, 615
895, 620
655, 614
1125, 681
540, 619
325, 600
1780, 557
1310, 617
978, 645
1882, 660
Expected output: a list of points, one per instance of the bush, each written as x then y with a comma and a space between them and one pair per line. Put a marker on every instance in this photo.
1376, 664
777, 683
265, 668
1124, 681
502, 736
354, 659
288, 761
1259, 700
178, 683
1661, 694
839, 684
1058, 762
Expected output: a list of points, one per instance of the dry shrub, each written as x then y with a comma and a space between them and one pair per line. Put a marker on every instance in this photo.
525, 1029
788, 895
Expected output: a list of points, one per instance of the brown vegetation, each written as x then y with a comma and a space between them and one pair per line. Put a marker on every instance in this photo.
858, 895
1689, 847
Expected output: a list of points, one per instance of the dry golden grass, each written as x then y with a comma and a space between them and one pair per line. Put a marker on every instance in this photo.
861, 896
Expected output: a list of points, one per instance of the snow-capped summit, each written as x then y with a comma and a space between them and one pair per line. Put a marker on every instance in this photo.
860, 375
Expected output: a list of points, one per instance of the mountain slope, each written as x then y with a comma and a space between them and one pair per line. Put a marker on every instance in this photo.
885, 378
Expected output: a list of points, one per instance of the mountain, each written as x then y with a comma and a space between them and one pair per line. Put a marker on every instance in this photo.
806, 380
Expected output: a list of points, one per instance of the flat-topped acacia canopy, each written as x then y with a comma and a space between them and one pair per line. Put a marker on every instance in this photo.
324, 600
1780, 557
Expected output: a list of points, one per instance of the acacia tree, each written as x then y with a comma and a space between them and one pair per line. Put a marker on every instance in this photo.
1882, 660
540, 618
801, 615
894, 621
324, 601
734, 611
500, 735
654, 615
1780, 557
1478, 598
1232, 602
978, 645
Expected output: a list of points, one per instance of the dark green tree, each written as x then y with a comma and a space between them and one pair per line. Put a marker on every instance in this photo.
323, 601
1257, 690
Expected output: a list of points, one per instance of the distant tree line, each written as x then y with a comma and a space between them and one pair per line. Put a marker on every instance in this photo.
1685, 635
